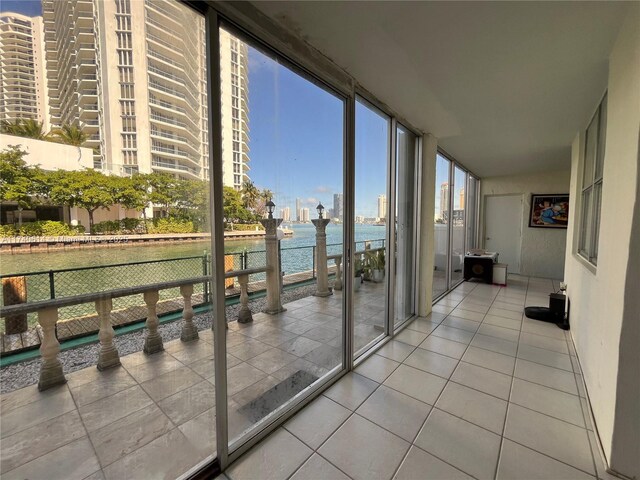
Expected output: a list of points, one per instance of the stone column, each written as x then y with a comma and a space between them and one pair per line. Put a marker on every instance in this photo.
274, 304
337, 284
51, 368
189, 330
244, 315
322, 281
153, 340
108, 356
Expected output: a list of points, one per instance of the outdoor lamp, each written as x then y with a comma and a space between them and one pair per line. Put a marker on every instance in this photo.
320, 209
270, 207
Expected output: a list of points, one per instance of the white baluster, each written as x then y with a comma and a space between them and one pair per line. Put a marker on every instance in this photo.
337, 284
189, 330
153, 340
108, 356
51, 368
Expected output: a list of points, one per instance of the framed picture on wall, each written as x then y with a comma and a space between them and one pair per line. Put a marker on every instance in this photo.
549, 210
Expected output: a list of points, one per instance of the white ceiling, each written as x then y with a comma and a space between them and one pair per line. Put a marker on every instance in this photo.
503, 85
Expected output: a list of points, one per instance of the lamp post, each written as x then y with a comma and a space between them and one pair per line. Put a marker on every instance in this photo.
270, 225
322, 281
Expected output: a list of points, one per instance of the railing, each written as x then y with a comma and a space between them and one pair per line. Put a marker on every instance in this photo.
51, 372
298, 263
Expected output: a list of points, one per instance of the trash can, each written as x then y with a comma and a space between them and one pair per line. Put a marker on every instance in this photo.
500, 274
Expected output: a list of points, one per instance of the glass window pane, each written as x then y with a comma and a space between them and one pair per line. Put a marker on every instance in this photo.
590, 152
293, 132
471, 210
585, 223
405, 224
457, 241
597, 198
127, 104
441, 226
602, 134
371, 211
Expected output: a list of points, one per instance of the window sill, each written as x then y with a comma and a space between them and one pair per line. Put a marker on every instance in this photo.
588, 265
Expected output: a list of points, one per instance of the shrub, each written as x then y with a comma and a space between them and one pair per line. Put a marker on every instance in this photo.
47, 228
171, 225
7, 231
108, 227
245, 227
130, 225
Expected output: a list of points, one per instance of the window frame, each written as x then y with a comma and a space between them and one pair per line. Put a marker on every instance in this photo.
588, 231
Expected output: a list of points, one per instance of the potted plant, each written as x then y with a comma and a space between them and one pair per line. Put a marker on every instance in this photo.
378, 266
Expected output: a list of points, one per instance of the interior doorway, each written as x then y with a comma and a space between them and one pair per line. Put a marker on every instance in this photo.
503, 228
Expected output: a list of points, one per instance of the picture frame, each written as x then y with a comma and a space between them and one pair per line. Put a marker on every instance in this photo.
549, 210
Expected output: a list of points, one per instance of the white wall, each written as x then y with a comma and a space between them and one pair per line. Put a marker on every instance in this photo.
50, 155
601, 299
542, 250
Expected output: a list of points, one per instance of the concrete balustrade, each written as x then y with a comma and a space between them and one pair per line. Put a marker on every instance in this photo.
153, 340
189, 330
51, 368
108, 356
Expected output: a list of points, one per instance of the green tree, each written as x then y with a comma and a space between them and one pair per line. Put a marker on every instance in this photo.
11, 127
234, 209
161, 186
20, 183
87, 189
70, 135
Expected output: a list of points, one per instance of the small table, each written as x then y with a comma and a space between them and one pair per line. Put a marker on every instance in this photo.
480, 266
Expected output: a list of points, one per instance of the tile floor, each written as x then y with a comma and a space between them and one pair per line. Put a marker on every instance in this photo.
473, 391
155, 416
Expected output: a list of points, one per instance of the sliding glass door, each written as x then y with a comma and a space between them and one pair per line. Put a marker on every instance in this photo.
372, 156
283, 163
455, 222
405, 224
441, 227
458, 222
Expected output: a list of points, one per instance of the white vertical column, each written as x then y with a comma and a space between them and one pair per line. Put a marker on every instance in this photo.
426, 237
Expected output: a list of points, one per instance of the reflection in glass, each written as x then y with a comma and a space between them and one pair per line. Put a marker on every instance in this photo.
441, 226
295, 146
471, 212
458, 227
405, 224
371, 210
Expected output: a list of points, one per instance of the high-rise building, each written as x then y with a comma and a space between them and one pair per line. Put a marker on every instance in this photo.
382, 206
461, 199
132, 74
285, 214
22, 74
338, 206
304, 215
444, 199
298, 213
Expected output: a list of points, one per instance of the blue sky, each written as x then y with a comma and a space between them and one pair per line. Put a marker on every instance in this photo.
26, 7
296, 140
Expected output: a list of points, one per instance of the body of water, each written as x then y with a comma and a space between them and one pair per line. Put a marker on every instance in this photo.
304, 236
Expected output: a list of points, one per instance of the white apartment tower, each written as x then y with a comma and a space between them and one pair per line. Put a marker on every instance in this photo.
133, 74
22, 73
382, 206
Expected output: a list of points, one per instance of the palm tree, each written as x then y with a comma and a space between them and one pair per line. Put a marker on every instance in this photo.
70, 135
24, 128
32, 129
10, 127
250, 194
